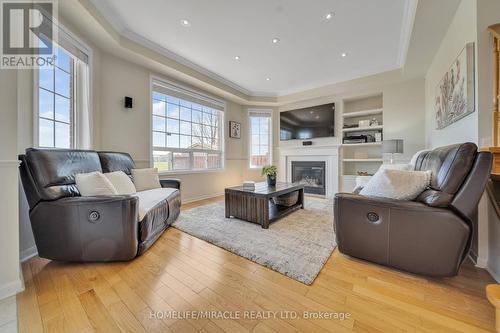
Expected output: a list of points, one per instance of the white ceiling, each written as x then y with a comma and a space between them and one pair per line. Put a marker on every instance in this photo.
374, 34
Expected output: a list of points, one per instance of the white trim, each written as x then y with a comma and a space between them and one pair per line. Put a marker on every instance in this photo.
36, 110
181, 60
326, 83
406, 30
249, 134
85, 48
11, 288
493, 274
202, 197
28, 253
480, 262
179, 87
189, 172
329, 154
120, 29
154, 79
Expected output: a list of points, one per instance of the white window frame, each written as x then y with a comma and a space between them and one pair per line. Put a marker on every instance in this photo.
249, 135
78, 43
199, 95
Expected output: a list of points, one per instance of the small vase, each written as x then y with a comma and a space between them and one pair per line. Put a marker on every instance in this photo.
271, 181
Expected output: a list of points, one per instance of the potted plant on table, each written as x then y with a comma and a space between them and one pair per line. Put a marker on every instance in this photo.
270, 171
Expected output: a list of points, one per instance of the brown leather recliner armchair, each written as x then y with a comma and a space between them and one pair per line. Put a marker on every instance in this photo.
429, 236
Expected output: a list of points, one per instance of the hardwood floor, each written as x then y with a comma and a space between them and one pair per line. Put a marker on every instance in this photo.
182, 273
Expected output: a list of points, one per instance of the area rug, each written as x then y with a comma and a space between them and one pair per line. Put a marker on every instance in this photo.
298, 245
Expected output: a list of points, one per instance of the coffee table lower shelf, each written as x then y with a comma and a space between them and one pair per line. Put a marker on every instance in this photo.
277, 211
258, 209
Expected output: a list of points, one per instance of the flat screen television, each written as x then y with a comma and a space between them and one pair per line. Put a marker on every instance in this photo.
308, 123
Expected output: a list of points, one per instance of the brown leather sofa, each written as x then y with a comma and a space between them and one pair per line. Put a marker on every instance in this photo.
429, 236
69, 227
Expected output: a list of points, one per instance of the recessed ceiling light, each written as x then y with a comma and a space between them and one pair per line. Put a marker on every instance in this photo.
275, 40
317, 117
344, 54
236, 57
330, 15
268, 79
185, 23
311, 112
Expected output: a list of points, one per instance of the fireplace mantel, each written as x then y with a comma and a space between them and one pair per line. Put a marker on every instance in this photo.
328, 154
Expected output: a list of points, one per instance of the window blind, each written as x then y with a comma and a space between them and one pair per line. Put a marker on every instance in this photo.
64, 39
188, 95
259, 113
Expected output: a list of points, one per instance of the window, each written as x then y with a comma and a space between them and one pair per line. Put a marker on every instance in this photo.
56, 103
62, 97
186, 130
260, 138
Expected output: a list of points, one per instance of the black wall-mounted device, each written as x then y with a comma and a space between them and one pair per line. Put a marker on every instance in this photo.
307, 143
128, 102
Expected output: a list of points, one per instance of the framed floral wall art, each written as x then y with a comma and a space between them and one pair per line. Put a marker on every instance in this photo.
455, 93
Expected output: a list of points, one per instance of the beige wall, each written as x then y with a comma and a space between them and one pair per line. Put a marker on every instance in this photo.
404, 110
120, 129
25, 131
403, 117
10, 282
488, 13
461, 31
470, 25
129, 129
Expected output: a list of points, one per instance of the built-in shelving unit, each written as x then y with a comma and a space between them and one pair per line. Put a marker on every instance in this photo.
362, 113
365, 156
362, 160
363, 144
362, 129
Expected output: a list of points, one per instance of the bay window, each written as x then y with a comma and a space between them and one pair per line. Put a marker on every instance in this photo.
187, 129
260, 138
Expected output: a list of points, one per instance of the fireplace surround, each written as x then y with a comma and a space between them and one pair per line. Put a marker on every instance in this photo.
329, 154
311, 174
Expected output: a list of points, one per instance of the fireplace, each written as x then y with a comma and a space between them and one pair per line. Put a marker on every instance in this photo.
311, 174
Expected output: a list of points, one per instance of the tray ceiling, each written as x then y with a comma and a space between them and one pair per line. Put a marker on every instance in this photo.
372, 35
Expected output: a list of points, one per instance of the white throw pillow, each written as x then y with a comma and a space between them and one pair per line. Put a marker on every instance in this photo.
121, 182
146, 179
94, 183
397, 184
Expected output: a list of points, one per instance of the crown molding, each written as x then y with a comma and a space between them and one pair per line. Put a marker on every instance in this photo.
326, 84
117, 28
121, 30
406, 30
174, 56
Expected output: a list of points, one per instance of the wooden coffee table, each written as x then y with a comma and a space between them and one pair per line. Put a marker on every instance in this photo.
256, 206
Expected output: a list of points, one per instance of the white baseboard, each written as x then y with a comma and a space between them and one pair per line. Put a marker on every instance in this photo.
28, 253
11, 288
480, 262
201, 197
493, 274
